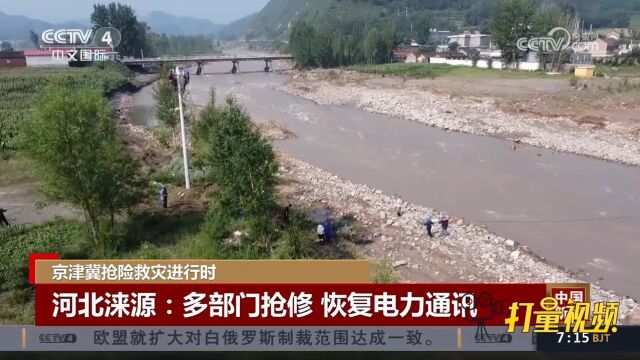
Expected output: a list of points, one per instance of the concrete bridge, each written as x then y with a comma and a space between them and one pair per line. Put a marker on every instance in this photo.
233, 59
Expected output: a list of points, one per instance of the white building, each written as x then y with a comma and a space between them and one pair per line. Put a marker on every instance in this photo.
471, 41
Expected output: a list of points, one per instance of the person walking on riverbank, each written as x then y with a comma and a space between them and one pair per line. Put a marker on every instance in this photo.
3, 219
429, 225
444, 223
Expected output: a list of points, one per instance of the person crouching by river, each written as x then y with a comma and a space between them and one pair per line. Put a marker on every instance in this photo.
321, 232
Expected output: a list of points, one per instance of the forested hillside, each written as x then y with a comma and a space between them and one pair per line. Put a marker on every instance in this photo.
275, 20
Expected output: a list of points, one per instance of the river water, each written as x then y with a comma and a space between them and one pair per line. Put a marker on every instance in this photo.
577, 212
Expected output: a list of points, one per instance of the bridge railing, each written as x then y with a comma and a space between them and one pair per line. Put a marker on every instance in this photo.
203, 58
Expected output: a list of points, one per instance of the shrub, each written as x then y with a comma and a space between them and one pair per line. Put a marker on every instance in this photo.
383, 273
148, 251
296, 241
67, 238
573, 81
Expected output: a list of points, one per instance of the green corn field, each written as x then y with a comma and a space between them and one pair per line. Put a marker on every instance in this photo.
20, 89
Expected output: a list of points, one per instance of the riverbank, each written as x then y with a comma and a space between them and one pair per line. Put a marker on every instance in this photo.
469, 253
468, 114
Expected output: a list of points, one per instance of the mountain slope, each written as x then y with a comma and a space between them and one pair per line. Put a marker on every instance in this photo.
17, 27
161, 22
274, 20
236, 28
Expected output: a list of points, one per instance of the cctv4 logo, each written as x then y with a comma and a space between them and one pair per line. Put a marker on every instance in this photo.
104, 37
58, 338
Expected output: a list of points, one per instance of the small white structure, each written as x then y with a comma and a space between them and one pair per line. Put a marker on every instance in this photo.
36, 58
471, 40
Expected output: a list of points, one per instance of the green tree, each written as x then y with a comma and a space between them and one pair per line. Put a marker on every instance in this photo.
35, 39
166, 99
547, 17
423, 30
302, 40
242, 163
72, 141
6, 46
324, 41
123, 18
512, 20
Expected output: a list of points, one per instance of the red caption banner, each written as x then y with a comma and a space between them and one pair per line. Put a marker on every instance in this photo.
280, 304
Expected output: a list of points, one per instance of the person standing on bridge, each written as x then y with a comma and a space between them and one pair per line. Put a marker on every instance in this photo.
3, 219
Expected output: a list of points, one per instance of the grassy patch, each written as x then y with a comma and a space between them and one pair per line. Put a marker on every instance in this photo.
14, 171
150, 231
432, 71
620, 70
383, 273
17, 307
66, 238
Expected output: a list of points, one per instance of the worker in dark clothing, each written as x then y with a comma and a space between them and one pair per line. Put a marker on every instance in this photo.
429, 225
164, 196
285, 214
3, 219
172, 79
187, 77
444, 223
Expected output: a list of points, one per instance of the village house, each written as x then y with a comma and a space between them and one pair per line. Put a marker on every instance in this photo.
469, 40
401, 53
12, 59
36, 58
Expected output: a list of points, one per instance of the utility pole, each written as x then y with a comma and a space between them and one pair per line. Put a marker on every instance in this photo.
183, 134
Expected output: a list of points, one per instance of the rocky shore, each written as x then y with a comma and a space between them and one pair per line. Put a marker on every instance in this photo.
479, 116
469, 253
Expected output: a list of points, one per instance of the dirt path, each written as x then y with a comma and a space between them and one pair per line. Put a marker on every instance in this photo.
25, 207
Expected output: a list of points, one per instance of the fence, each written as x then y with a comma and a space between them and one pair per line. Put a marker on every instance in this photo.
484, 64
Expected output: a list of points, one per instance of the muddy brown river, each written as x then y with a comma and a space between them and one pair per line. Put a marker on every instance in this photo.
580, 213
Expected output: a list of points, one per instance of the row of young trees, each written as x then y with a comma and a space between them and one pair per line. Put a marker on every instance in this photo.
509, 21
77, 152
324, 47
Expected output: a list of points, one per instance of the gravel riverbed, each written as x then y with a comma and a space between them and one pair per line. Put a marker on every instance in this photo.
469, 253
478, 116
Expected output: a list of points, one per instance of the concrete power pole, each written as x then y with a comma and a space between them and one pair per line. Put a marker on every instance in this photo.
183, 134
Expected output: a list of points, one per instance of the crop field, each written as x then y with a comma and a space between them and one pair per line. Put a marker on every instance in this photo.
20, 89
